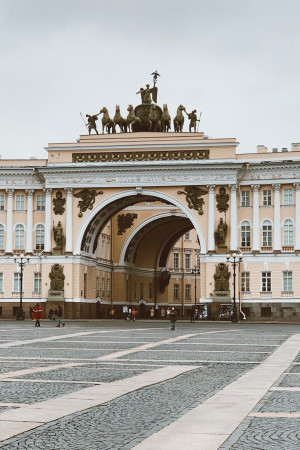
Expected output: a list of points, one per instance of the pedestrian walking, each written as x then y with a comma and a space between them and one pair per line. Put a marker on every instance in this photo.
37, 314
173, 318
152, 313
163, 313
59, 318
133, 314
156, 312
168, 313
50, 313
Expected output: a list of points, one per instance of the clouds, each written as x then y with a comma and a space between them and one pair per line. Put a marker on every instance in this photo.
236, 61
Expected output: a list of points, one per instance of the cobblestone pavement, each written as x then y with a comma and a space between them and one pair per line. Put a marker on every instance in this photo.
83, 354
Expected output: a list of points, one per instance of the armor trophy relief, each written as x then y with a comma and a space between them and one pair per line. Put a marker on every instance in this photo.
147, 116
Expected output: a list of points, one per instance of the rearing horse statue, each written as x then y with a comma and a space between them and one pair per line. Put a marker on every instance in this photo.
166, 119
119, 120
133, 122
179, 119
107, 123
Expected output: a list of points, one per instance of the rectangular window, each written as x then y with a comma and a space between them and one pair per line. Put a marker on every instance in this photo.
1, 281
266, 282
2, 204
267, 197
187, 291
20, 202
287, 196
1, 237
175, 260
245, 198
187, 260
287, 281
267, 235
245, 235
245, 281
176, 291
40, 202
17, 282
37, 282
187, 236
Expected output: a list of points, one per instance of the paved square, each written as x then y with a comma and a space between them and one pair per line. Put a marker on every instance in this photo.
122, 385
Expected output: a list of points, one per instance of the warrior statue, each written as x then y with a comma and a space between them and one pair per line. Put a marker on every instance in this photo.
58, 235
220, 233
92, 122
192, 116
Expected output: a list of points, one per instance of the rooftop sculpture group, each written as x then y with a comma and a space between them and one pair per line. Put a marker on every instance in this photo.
147, 116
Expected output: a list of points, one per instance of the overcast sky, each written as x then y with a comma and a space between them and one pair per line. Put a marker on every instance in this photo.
237, 61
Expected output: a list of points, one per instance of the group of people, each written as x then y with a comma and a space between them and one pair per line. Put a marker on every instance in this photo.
37, 314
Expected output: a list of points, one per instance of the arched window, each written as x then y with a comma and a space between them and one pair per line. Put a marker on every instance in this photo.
40, 237
288, 232
267, 234
19, 237
245, 234
1, 237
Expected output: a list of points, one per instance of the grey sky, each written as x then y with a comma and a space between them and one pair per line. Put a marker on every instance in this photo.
237, 61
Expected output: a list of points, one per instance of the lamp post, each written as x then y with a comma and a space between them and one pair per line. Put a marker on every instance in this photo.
21, 261
236, 259
195, 271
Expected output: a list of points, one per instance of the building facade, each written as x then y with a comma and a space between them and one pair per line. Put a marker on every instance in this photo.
146, 219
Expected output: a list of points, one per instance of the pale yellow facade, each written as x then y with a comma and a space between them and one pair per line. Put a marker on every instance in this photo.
146, 238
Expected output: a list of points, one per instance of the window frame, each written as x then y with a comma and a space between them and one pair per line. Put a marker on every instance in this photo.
20, 202
287, 281
267, 233
266, 197
40, 202
266, 281
287, 196
245, 199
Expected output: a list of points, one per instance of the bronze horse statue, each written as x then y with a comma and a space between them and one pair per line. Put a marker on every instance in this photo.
166, 119
133, 121
107, 123
179, 119
119, 120
154, 122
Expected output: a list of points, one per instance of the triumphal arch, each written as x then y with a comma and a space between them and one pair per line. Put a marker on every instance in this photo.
141, 214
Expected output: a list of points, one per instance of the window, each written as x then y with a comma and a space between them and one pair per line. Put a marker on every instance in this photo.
287, 196
266, 282
1, 237
267, 197
1, 281
187, 260
245, 198
267, 234
17, 282
176, 291
40, 237
245, 281
2, 204
37, 282
40, 202
20, 202
175, 260
265, 311
19, 237
287, 281
245, 234
187, 291
187, 236
288, 232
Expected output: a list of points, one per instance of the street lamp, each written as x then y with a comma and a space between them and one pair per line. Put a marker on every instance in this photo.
21, 261
195, 271
236, 259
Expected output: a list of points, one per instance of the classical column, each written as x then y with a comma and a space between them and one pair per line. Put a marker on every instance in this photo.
277, 228
29, 220
48, 220
233, 218
255, 218
211, 218
9, 220
69, 224
297, 224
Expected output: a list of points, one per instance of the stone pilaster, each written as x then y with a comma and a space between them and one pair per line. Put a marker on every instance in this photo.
255, 218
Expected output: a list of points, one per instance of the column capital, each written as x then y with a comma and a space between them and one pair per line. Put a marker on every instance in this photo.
233, 187
10, 192
48, 191
276, 187
69, 190
29, 192
296, 186
255, 187
211, 187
